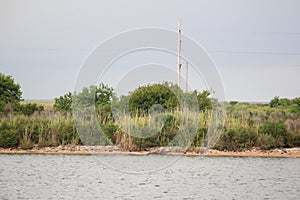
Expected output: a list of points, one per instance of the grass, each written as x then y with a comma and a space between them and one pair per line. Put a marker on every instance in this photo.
43, 102
243, 128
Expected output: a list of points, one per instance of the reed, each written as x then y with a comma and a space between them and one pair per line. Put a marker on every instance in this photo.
243, 128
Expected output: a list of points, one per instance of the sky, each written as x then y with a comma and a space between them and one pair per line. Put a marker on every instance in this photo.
254, 44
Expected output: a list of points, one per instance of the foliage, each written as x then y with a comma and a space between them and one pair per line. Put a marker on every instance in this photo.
10, 93
265, 141
143, 98
63, 103
293, 104
234, 140
29, 108
276, 129
163, 136
95, 96
233, 103
104, 95
203, 100
41, 130
151, 116
274, 102
8, 136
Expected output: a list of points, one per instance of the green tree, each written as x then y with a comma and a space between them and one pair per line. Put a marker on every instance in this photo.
104, 95
95, 96
93, 105
144, 97
233, 103
274, 102
295, 105
10, 93
63, 103
285, 102
203, 100
296, 101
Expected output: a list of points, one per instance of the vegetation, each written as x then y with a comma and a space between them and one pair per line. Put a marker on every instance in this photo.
143, 98
63, 103
11, 94
151, 116
11, 97
259, 125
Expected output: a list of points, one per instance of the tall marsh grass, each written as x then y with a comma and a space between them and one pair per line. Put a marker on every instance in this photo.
244, 126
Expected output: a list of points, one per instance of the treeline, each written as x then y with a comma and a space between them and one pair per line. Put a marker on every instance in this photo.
151, 116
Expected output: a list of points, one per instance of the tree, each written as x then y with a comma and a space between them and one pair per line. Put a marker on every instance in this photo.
285, 102
104, 95
296, 101
274, 102
295, 105
63, 103
10, 93
144, 97
203, 100
233, 103
95, 96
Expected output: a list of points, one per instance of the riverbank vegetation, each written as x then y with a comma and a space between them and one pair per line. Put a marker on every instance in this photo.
151, 116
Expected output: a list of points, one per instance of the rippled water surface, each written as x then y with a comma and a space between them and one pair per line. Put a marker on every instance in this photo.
91, 177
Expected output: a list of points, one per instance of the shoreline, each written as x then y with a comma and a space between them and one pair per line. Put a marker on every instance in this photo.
172, 151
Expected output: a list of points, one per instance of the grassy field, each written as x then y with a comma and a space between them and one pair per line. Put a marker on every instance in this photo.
46, 103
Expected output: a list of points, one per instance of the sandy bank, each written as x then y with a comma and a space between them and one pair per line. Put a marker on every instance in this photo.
113, 150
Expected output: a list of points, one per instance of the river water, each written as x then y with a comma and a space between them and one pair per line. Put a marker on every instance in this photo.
101, 177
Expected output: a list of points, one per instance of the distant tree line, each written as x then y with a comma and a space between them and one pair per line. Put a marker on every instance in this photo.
292, 104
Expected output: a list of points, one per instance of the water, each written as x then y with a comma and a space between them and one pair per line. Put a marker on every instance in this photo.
85, 177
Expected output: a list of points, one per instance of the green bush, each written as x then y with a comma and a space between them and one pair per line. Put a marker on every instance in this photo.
292, 140
29, 108
110, 130
8, 136
277, 129
265, 141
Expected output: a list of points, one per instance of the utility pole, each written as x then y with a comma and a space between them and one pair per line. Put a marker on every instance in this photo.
187, 76
179, 50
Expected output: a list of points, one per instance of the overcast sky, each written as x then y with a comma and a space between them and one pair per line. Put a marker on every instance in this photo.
255, 44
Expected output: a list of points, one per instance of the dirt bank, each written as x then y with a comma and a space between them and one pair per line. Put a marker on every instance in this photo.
113, 150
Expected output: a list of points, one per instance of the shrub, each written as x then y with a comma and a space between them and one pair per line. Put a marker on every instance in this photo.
29, 108
227, 141
8, 136
277, 129
110, 130
27, 145
265, 141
